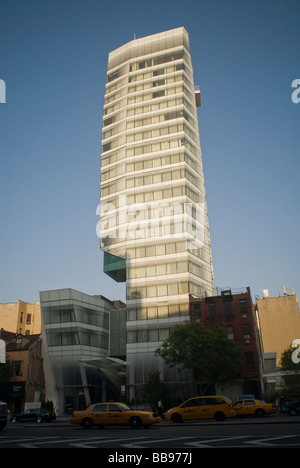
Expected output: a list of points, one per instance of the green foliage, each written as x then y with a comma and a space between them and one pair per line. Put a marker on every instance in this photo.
48, 405
290, 369
154, 389
209, 354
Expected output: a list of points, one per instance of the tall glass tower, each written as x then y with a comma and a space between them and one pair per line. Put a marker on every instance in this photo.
153, 222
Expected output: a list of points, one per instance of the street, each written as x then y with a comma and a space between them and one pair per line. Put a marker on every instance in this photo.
273, 431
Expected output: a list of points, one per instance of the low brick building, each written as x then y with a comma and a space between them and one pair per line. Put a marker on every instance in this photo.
234, 312
26, 382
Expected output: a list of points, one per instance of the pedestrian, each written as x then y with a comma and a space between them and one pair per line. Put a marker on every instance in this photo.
160, 408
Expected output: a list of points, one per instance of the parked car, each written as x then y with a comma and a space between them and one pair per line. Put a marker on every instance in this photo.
34, 414
3, 414
254, 407
293, 407
104, 414
202, 407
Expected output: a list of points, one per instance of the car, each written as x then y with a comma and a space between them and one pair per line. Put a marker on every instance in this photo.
34, 414
254, 407
293, 407
113, 413
202, 407
3, 414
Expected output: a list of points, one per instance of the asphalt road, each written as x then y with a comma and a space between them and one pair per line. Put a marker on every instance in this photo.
269, 432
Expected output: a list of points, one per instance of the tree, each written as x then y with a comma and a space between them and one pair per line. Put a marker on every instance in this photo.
290, 369
209, 354
154, 389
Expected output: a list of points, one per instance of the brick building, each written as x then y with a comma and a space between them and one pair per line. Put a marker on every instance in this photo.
234, 313
26, 381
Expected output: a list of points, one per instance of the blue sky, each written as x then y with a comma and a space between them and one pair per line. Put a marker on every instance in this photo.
53, 59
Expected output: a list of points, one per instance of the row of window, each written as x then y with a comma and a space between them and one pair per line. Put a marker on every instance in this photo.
161, 177
246, 331
161, 249
157, 60
144, 109
159, 72
160, 105
171, 115
154, 312
161, 146
78, 338
28, 318
148, 75
144, 97
157, 146
144, 197
212, 309
167, 160
53, 315
145, 86
154, 84
155, 133
162, 290
147, 271
161, 93
142, 336
144, 164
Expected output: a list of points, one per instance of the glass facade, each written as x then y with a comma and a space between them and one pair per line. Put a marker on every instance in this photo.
80, 344
153, 205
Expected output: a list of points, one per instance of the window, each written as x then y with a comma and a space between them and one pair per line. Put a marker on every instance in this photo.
212, 310
230, 332
17, 368
243, 306
114, 408
249, 361
18, 343
28, 319
227, 309
250, 403
152, 335
246, 330
100, 408
158, 94
197, 311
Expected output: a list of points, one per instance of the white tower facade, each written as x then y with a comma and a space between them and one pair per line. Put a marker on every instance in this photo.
153, 224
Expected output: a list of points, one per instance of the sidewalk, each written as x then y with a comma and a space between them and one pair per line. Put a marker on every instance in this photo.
268, 419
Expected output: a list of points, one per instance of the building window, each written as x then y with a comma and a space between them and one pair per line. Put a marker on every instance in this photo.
212, 310
246, 330
243, 306
227, 309
17, 368
230, 332
197, 311
18, 343
249, 361
28, 319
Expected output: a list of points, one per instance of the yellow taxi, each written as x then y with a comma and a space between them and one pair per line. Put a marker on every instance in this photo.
254, 407
107, 414
202, 407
